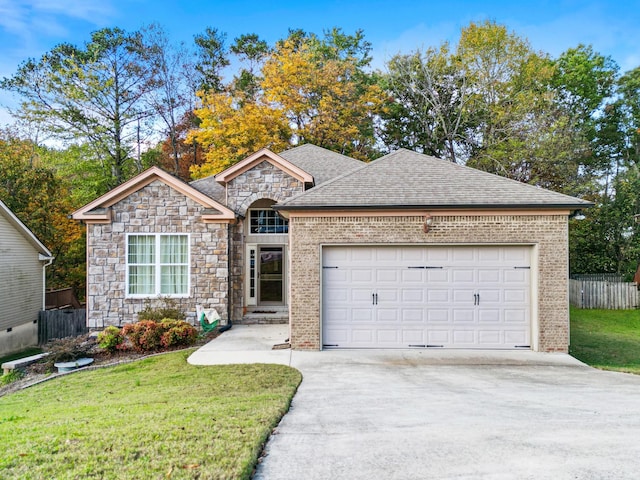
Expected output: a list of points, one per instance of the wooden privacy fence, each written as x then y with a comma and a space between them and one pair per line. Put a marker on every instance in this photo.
61, 323
603, 294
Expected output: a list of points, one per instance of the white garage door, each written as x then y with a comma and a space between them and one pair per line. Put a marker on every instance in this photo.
401, 297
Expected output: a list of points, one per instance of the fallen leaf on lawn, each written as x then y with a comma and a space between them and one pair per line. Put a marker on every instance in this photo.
191, 466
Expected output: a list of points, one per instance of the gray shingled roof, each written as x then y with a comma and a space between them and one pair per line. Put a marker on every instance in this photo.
408, 179
323, 164
211, 188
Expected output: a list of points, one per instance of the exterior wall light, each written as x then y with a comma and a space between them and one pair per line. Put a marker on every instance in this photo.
428, 222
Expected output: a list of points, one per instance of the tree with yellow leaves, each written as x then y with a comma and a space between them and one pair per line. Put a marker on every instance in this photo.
311, 90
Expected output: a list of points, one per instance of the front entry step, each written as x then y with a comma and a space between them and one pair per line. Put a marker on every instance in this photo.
265, 317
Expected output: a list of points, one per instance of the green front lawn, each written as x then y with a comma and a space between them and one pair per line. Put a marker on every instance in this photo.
155, 418
608, 339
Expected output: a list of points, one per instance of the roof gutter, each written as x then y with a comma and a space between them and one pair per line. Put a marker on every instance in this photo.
282, 208
49, 260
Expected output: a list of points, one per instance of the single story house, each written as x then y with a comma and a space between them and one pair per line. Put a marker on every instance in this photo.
408, 251
23, 259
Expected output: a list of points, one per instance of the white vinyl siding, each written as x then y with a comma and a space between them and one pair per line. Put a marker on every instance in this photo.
157, 264
21, 288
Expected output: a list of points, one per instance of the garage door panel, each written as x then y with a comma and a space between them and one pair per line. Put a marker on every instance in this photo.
519, 315
388, 337
438, 276
437, 336
516, 276
492, 275
412, 295
489, 338
412, 276
361, 295
516, 254
388, 276
426, 295
387, 315
438, 315
461, 315
438, 255
486, 295
467, 275
362, 314
516, 337
364, 336
491, 255
464, 338
463, 296
409, 315
333, 295
438, 295
361, 275
413, 337
515, 296
463, 255
489, 315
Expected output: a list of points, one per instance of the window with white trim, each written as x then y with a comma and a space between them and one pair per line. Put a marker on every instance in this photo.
158, 264
266, 220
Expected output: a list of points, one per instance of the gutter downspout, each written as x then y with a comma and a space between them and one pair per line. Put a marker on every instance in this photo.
229, 324
49, 261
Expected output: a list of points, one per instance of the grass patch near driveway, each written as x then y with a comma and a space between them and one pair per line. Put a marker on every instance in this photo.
607, 339
155, 418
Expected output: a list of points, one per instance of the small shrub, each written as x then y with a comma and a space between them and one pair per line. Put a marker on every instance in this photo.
169, 309
68, 349
12, 376
149, 335
145, 335
178, 333
111, 339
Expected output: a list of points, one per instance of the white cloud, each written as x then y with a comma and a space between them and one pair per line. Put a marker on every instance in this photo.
26, 17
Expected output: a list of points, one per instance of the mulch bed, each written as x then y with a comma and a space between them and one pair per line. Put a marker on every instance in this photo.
37, 373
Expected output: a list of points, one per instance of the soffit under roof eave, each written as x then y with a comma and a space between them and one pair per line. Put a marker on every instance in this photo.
439, 210
473, 206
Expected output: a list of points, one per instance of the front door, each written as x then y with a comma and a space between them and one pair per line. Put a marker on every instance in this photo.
271, 275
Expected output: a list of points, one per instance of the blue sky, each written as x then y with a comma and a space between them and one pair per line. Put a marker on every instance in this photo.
29, 28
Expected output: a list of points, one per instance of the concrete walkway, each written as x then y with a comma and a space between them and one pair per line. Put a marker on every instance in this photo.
442, 414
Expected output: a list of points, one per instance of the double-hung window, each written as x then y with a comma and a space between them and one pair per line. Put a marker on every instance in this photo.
158, 264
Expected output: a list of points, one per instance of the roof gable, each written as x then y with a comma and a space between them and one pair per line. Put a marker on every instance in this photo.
13, 220
409, 180
98, 210
265, 154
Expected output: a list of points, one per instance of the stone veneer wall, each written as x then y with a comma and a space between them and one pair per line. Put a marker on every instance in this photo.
549, 233
262, 181
156, 208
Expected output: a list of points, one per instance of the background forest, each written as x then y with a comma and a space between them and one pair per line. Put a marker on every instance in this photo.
93, 116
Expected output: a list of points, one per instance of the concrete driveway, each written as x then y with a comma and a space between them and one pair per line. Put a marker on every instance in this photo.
444, 414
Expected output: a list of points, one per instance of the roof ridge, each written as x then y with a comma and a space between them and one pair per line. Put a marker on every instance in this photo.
314, 146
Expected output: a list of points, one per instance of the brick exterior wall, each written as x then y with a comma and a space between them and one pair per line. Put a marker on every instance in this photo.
262, 181
156, 208
548, 233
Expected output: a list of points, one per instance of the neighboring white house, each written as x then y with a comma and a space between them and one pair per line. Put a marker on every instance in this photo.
23, 259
